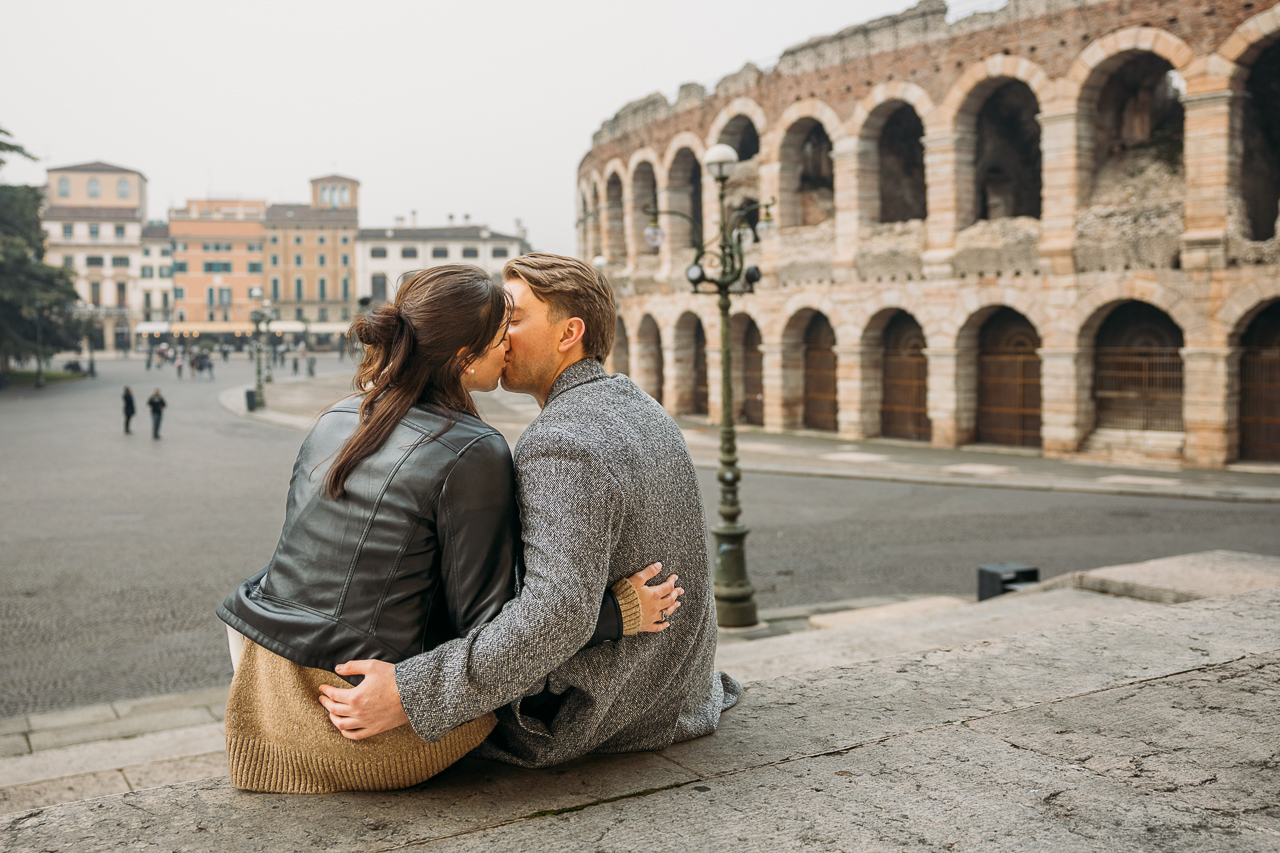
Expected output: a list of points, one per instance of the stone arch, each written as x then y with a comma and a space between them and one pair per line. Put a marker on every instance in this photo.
737, 107
620, 357
690, 366
684, 195
645, 181
648, 365
998, 396
803, 145
1239, 309
745, 341
1259, 151
959, 114
809, 371
1137, 378
1258, 383
1091, 308
867, 125
895, 371
613, 219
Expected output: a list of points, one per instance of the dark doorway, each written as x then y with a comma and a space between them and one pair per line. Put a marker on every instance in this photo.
752, 375
1260, 387
820, 407
1138, 370
904, 411
1008, 381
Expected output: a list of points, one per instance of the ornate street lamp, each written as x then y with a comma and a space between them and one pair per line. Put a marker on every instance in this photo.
261, 322
720, 269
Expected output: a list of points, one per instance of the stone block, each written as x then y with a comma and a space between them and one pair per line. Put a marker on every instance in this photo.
82, 716
111, 754
212, 697
134, 724
14, 745
39, 795
13, 725
176, 771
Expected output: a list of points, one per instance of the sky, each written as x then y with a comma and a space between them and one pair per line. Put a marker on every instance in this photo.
464, 108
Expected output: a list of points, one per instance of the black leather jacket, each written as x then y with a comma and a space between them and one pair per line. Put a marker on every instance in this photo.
424, 547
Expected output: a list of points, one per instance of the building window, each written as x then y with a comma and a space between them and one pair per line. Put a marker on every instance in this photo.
297, 289
346, 260
166, 272
64, 188
217, 247
499, 251
217, 266
94, 189
119, 232
440, 252
322, 259
380, 287
118, 261
275, 289
164, 253
470, 252
179, 293
122, 188
346, 194
255, 266
93, 232
210, 315
275, 240
320, 240
408, 252
346, 313
95, 292
298, 315
226, 315
224, 296
146, 252
345, 239
346, 289
297, 240
69, 261
209, 297
146, 300
322, 287
67, 228
93, 261
377, 252
297, 260
322, 315
122, 294
148, 271
275, 260
179, 266
182, 316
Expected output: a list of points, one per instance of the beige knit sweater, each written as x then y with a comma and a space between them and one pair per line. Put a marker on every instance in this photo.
280, 740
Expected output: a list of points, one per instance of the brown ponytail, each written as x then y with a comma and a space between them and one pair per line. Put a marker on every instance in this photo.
411, 354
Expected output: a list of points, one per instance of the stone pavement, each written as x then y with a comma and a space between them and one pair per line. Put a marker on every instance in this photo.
293, 403
1152, 731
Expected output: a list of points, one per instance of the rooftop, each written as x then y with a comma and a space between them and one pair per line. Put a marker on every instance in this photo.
96, 166
54, 213
462, 232
305, 214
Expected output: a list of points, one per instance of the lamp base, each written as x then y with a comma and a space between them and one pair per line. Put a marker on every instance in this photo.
735, 596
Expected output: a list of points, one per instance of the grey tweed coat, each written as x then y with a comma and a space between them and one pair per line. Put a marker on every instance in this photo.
605, 487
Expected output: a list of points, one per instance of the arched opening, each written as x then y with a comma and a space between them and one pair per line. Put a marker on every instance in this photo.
1007, 153
621, 354
691, 365
749, 369
1260, 386
741, 134
901, 161
593, 225
1137, 381
1008, 380
1261, 156
1133, 156
820, 403
684, 195
615, 248
904, 411
644, 197
648, 368
806, 175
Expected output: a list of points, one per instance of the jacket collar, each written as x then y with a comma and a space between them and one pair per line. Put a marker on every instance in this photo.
578, 373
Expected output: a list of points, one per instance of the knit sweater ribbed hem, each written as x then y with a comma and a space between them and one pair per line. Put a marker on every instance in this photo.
280, 740
629, 605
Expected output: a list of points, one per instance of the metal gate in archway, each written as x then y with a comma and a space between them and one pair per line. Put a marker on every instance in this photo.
820, 375
1260, 387
1137, 380
752, 376
1008, 381
700, 395
904, 411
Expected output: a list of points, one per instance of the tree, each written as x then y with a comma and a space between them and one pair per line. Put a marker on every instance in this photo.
36, 300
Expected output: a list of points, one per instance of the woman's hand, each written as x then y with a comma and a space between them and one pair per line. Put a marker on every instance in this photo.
656, 602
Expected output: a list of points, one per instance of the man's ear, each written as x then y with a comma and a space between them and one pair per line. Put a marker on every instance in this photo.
574, 329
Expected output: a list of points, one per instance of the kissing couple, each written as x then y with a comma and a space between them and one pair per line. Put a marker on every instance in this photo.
430, 597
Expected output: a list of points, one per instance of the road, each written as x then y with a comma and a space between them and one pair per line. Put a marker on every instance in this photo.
115, 549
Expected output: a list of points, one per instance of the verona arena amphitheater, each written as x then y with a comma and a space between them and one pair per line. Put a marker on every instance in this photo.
1052, 226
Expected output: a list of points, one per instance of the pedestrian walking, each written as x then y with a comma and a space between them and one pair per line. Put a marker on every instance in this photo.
129, 409
311, 365
178, 364
295, 365
150, 354
156, 403
226, 353
208, 365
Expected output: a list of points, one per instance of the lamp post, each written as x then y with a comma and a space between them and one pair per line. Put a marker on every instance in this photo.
260, 319
720, 268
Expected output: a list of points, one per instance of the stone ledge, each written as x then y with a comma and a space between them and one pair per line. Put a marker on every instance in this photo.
916, 749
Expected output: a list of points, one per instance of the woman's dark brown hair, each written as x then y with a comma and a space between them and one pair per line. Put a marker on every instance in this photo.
415, 350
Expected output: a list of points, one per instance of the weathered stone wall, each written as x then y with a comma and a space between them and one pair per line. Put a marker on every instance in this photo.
1147, 118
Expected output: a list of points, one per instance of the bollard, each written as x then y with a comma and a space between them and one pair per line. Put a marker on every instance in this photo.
250, 399
998, 578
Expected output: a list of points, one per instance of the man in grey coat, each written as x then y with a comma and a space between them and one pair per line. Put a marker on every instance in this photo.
605, 486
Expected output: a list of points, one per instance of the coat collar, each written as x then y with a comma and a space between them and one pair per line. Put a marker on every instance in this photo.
578, 373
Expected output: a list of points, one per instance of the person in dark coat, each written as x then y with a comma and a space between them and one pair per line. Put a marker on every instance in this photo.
129, 409
157, 404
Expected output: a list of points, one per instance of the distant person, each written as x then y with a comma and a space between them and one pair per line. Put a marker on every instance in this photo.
311, 365
208, 365
150, 354
295, 365
226, 353
178, 364
156, 403
129, 409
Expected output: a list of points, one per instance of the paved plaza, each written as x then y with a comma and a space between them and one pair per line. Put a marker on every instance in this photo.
117, 548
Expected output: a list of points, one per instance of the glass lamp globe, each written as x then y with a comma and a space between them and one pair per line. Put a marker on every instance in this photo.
720, 160
653, 235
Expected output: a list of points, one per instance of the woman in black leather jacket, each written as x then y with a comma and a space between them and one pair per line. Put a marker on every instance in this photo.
401, 532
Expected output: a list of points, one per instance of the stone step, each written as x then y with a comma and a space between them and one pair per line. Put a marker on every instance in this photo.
938, 629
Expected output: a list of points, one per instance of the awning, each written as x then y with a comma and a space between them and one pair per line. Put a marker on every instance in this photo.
150, 328
298, 327
210, 328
